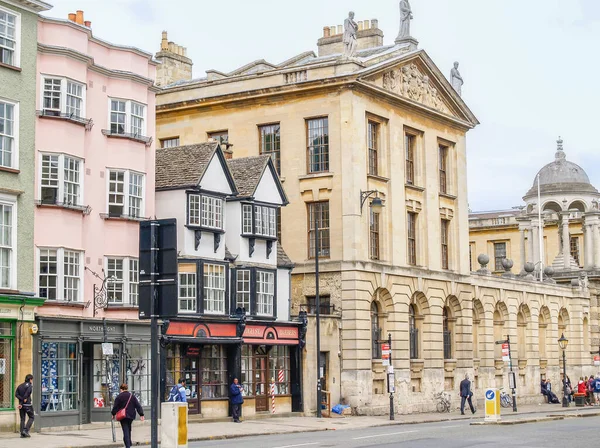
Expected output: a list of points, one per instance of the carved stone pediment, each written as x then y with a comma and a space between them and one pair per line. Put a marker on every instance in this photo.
412, 82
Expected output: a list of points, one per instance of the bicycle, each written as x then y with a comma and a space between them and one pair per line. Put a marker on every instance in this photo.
506, 400
443, 404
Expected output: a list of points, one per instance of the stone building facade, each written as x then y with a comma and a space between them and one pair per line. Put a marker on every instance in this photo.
342, 132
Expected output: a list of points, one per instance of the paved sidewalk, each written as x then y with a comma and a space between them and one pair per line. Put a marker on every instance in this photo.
101, 438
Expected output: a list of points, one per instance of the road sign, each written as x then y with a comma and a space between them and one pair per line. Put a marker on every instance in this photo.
597, 360
391, 383
492, 405
385, 354
505, 352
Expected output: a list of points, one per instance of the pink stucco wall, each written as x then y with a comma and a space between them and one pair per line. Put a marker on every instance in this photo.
58, 227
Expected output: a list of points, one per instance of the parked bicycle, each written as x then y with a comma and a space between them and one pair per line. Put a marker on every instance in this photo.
443, 402
506, 400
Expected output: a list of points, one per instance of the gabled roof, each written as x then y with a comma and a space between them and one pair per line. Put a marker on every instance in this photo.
183, 166
248, 172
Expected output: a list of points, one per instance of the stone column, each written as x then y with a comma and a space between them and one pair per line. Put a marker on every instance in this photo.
595, 246
530, 243
535, 255
587, 245
522, 247
566, 242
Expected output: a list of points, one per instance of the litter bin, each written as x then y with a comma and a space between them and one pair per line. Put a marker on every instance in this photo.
579, 400
174, 425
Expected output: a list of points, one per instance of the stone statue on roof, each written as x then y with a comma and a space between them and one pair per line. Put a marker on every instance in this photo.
456, 79
405, 17
350, 30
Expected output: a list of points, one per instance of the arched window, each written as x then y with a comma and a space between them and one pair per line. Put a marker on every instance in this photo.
414, 332
375, 332
447, 335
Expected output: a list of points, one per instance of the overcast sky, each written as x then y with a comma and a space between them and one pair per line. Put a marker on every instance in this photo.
531, 67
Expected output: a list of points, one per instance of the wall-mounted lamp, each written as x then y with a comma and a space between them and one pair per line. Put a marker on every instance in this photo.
376, 204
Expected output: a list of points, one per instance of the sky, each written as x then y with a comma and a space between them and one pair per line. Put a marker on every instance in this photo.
530, 66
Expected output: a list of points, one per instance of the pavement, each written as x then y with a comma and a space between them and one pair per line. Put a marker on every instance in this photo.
100, 436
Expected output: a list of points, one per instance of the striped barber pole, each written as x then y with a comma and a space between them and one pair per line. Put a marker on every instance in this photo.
280, 376
273, 398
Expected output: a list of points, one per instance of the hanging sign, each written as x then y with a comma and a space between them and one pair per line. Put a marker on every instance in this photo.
597, 360
385, 354
505, 352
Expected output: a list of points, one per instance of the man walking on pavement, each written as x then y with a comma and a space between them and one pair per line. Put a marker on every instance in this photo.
23, 394
466, 394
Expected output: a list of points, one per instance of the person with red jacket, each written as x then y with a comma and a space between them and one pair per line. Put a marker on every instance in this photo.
581, 386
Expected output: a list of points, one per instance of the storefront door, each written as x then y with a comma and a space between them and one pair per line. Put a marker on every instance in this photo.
261, 380
190, 370
86, 415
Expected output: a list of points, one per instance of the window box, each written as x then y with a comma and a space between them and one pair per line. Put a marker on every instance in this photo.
128, 136
85, 209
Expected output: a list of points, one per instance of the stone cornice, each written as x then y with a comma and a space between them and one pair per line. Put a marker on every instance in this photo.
35, 6
89, 61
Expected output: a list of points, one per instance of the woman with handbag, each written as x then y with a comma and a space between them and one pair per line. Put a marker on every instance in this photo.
124, 410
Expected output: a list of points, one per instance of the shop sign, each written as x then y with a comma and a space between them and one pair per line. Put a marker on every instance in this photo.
100, 329
14, 313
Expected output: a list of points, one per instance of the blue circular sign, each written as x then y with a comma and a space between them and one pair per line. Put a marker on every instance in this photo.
490, 394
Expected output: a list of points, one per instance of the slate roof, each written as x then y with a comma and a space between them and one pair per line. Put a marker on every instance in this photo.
247, 172
183, 166
283, 261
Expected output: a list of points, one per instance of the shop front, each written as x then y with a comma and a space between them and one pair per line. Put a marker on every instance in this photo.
265, 359
77, 379
16, 354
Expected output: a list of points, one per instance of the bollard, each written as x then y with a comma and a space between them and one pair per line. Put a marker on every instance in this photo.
174, 425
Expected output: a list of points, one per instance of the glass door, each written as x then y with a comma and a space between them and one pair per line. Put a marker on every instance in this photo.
190, 366
260, 376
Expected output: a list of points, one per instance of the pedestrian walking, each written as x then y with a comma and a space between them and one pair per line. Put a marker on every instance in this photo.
127, 401
178, 392
590, 390
597, 389
465, 395
23, 394
236, 400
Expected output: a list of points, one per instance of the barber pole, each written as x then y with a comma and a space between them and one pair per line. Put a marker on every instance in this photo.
273, 398
280, 376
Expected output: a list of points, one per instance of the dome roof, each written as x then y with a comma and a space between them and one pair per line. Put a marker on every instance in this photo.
561, 176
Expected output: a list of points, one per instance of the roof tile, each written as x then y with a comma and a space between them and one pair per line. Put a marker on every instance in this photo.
247, 172
182, 166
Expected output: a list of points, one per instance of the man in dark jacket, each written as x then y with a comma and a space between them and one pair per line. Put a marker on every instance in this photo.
236, 400
23, 394
465, 395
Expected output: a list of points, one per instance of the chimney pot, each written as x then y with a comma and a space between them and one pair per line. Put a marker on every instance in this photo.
88, 23
360, 25
374, 23
72, 16
326, 31
333, 30
366, 24
79, 17
340, 29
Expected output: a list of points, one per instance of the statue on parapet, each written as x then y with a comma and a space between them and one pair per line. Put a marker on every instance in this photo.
350, 31
456, 79
405, 17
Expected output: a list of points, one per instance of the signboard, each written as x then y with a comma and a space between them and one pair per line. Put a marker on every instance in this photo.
385, 354
597, 360
391, 383
512, 383
505, 352
107, 349
492, 405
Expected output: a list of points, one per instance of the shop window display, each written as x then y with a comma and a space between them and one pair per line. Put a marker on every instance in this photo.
59, 377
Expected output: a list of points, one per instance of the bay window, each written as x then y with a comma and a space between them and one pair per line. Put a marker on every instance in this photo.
60, 274
259, 220
61, 180
63, 97
123, 286
127, 118
205, 211
125, 194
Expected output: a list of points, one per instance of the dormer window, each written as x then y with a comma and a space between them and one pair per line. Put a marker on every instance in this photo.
205, 211
259, 220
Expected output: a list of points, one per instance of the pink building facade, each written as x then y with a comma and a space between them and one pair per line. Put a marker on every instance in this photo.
94, 183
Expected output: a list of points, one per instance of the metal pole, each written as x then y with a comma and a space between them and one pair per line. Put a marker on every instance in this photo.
317, 311
541, 231
390, 386
154, 347
108, 379
565, 402
514, 394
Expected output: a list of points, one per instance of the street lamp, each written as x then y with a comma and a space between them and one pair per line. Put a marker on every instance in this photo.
376, 203
562, 343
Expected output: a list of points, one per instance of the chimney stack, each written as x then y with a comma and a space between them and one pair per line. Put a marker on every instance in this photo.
175, 65
369, 36
79, 17
88, 23
72, 17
